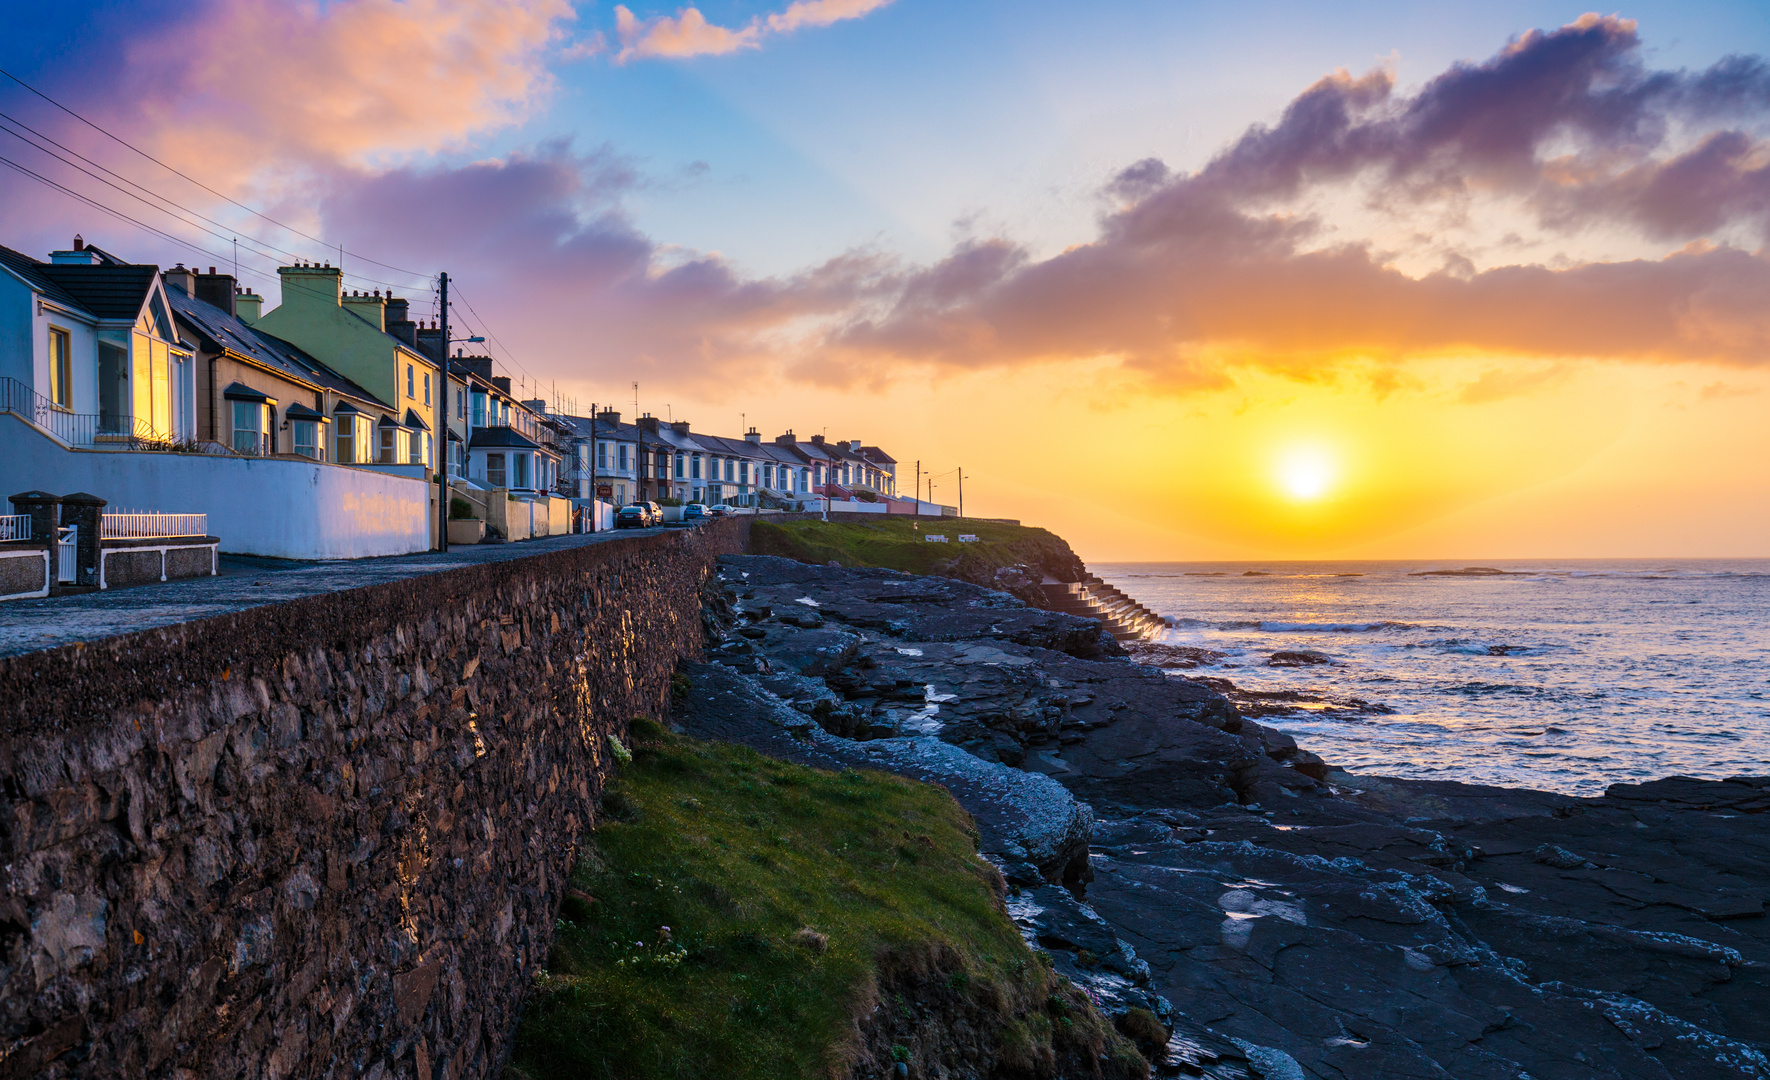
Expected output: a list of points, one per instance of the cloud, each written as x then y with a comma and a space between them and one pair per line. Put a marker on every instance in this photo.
541, 243
688, 33
351, 81
1238, 263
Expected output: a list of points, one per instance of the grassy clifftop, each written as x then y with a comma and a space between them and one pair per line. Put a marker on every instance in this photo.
744, 917
1009, 557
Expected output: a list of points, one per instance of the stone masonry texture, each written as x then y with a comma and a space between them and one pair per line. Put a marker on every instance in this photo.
322, 838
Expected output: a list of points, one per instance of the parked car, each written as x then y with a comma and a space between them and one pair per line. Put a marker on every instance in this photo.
692, 511
718, 510
635, 516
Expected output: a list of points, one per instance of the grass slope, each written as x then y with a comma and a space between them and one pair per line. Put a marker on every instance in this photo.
787, 892
897, 543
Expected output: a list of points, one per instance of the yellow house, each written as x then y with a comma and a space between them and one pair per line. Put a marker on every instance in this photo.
349, 333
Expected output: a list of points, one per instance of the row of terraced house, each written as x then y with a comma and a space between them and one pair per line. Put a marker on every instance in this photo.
318, 428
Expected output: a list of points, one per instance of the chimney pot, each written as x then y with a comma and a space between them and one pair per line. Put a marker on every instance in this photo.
79, 244
211, 269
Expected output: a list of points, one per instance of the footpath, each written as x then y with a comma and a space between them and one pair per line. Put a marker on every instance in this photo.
244, 583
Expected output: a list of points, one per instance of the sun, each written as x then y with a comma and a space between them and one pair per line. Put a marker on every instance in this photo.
1306, 473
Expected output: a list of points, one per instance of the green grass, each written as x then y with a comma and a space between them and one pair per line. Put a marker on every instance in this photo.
897, 543
750, 862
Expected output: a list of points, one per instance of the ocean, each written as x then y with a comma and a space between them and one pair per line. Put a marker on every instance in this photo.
1557, 675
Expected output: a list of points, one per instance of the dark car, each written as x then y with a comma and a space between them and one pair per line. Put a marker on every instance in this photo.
634, 516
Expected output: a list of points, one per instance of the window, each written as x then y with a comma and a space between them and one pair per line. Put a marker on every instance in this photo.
522, 471
495, 470
601, 455
479, 409
427, 388
388, 455
460, 406
346, 440
415, 449
307, 438
410, 373
248, 427
681, 465
61, 369
695, 467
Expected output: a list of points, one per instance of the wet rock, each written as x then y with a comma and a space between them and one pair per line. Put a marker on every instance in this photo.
1298, 658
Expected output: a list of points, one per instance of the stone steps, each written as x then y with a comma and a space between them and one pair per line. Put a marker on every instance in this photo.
1123, 617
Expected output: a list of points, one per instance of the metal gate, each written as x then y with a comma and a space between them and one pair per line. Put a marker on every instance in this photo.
67, 550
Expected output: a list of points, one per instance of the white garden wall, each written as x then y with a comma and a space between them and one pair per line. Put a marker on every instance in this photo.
278, 507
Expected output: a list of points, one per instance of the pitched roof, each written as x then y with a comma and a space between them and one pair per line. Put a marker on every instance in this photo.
220, 330
29, 269
877, 456
109, 291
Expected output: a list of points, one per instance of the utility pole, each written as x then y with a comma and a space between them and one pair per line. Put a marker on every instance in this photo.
918, 487
595, 499
442, 427
961, 491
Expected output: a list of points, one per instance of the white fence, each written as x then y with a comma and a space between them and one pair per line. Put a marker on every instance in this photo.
142, 525
15, 527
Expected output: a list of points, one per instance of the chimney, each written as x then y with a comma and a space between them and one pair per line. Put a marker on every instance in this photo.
307, 285
648, 422
680, 427
79, 256
536, 405
181, 279
817, 440
609, 417
399, 323
372, 308
854, 446
785, 440
476, 365
217, 289
248, 305
427, 339
753, 437
502, 382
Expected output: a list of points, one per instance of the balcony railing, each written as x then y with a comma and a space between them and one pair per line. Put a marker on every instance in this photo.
78, 429
141, 525
15, 527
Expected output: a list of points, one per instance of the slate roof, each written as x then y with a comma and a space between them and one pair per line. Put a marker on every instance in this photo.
502, 436
107, 291
220, 330
877, 455
29, 269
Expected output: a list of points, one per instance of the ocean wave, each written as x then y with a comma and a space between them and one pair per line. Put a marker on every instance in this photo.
1271, 626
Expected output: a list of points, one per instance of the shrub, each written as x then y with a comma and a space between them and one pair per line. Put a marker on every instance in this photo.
460, 509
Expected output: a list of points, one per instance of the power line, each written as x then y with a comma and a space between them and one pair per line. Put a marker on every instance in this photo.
508, 355
268, 250
125, 143
95, 204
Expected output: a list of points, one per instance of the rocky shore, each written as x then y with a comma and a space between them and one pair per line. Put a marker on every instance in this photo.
1286, 919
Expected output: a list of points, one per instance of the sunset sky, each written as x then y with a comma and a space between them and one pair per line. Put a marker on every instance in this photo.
1177, 280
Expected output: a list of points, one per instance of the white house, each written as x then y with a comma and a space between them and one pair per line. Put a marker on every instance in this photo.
89, 350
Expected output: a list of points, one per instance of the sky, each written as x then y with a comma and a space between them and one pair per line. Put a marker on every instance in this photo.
1176, 280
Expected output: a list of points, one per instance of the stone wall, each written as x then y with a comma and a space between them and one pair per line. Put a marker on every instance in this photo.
324, 838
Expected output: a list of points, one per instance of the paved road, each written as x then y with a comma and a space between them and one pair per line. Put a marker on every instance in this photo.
244, 582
